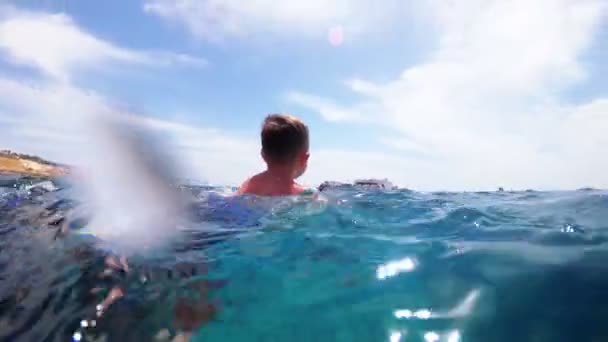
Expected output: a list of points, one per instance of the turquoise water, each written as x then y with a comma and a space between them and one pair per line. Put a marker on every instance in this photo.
362, 266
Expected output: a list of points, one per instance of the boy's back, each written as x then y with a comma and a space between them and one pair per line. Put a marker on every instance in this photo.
285, 144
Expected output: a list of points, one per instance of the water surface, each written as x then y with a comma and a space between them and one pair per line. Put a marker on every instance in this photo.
364, 266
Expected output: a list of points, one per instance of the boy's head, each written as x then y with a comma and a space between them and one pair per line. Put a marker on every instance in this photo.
285, 142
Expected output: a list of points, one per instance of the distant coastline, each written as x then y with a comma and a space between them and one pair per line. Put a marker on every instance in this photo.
14, 163
23, 164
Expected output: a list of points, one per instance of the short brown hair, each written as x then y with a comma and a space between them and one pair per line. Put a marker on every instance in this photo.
283, 137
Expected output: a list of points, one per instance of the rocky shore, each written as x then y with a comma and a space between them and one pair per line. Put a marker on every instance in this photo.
369, 184
22, 164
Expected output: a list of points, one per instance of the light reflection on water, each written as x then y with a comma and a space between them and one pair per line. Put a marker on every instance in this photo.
393, 268
431, 336
420, 314
454, 336
464, 308
434, 336
395, 336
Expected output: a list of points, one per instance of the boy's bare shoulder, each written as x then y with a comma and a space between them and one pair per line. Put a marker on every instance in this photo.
252, 184
245, 187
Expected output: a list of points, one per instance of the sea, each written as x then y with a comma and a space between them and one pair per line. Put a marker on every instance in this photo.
349, 265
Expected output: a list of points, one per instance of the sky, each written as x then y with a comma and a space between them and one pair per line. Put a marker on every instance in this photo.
431, 94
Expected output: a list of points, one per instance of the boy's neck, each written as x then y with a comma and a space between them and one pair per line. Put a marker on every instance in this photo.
281, 173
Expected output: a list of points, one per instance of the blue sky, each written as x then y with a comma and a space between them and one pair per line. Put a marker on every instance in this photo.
434, 95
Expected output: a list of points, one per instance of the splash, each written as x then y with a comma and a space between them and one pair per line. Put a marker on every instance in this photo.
128, 180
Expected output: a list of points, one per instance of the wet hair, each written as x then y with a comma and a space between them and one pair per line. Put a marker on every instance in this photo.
283, 137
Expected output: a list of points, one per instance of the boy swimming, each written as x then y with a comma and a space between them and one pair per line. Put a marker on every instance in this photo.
285, 144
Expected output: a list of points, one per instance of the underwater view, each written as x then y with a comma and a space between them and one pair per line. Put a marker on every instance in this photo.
360, 265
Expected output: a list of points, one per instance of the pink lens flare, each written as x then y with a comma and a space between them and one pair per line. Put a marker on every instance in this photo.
335, 35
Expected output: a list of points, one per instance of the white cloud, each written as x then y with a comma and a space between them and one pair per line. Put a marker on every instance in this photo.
219, 19
487, 103
164, 58
407, 145
55, 45
44, 118
348, 165
54, 120
326, 107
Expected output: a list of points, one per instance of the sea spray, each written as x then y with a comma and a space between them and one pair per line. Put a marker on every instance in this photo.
128, 181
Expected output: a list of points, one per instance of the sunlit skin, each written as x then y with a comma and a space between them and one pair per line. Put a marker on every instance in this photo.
279, 178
